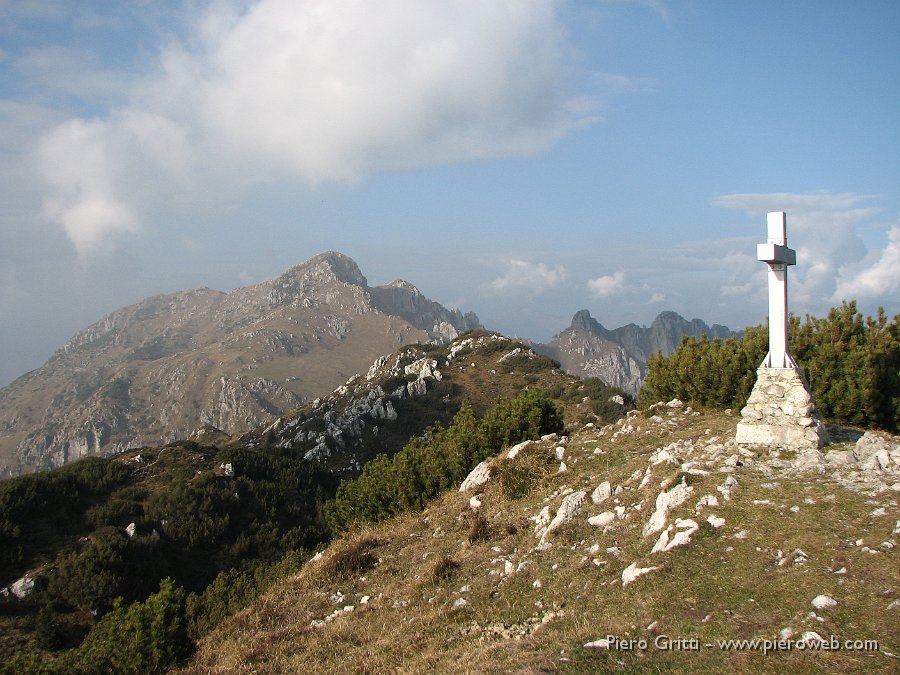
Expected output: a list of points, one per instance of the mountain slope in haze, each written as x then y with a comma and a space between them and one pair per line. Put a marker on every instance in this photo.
153, 372
619, 356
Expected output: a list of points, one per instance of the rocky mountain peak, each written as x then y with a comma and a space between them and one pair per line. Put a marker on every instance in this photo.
619, 356
314, 277
327, 266
584, 321
231, 360
404, 285
341, 266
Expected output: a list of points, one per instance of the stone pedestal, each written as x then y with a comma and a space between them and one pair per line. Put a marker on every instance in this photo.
780, 412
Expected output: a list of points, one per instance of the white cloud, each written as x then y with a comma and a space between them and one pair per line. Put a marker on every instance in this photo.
879, 279
657, 298
76, 161
321, 91
603, 287
823, 228
534, 278
344, 88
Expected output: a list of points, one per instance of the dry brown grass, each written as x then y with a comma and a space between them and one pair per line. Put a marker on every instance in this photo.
481, 530
720, 587
354, 557
445, 569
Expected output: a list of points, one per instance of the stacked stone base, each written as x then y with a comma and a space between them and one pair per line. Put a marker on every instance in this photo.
780, 412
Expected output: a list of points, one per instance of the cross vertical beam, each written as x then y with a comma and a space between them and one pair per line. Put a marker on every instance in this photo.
776, 254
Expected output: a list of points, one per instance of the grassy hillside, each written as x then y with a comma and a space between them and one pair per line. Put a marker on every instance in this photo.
222, 521
468, 586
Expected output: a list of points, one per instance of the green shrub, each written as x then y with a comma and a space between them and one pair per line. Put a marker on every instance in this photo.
195, 516
230, 591
852, 365
108, 566
51, 501
234, 589
90, 579
528, 416
527, 363
497, 346
426, 467
144, 637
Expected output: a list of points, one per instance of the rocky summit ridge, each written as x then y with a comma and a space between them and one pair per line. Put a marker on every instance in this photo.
619, 356
157, 370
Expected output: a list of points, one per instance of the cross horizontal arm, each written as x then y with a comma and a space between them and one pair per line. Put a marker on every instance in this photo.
775, 253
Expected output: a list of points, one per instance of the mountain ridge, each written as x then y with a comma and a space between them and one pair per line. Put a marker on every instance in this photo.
619, 356
154, 371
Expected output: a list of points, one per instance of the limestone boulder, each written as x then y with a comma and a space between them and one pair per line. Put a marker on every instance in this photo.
665, 501
876, 452
480, 475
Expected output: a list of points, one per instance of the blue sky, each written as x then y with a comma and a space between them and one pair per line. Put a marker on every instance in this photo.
521, 159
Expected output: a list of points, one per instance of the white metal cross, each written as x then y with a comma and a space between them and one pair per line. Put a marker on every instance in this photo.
776, 254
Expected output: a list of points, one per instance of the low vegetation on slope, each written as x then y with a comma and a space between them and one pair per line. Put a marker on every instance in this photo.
651, 545
852, 365
134, 558
429, 466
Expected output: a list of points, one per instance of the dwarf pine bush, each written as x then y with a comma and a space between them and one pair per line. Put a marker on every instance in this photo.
430, 465
852, 364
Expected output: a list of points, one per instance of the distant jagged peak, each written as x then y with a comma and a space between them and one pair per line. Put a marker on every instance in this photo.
401, 298
342, 267
584, 321
669, 315
668, 318
694, 327
403, 284
308, 279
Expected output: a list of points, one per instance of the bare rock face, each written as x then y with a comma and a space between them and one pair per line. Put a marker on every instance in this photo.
153, 372
619, 356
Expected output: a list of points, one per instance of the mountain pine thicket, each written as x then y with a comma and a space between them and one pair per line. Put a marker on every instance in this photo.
852, 364
426, 467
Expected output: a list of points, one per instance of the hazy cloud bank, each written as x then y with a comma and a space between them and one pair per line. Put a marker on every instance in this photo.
319, 91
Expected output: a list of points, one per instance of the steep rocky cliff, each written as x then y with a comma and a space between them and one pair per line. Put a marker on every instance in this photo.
619, 356
154, 371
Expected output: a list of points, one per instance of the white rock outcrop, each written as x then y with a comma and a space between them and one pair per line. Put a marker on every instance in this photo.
480, 475
517, 448
875, 452
823, 602
570, 507
23, 587
602, 520
664, 501
684, 530
601, 493
632, 572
